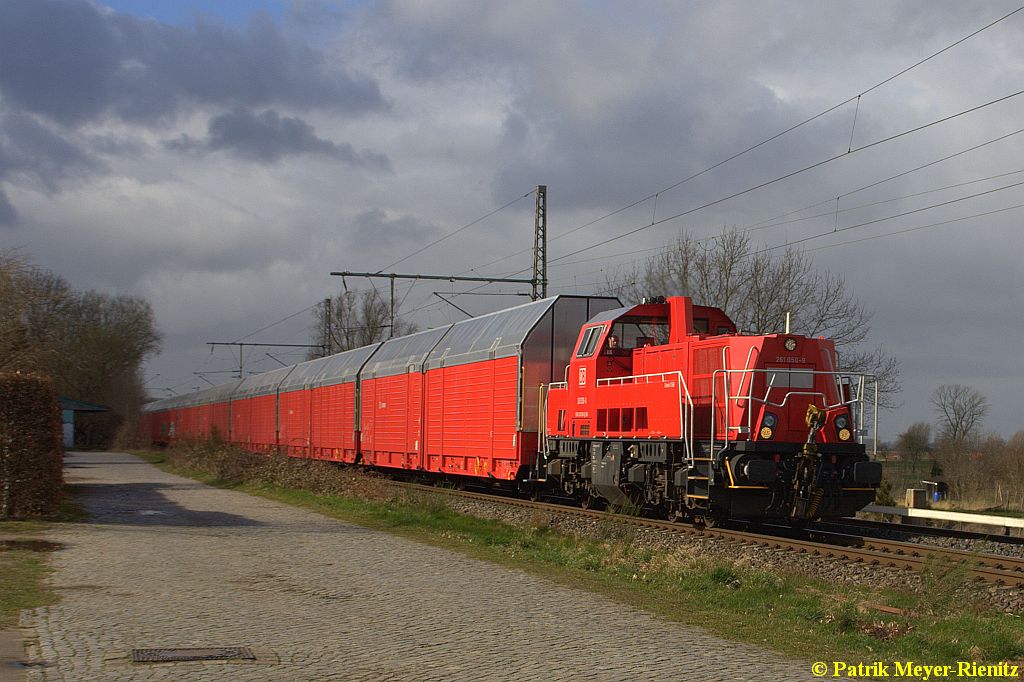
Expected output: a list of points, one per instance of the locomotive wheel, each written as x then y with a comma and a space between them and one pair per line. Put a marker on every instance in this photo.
712, 519
588, 501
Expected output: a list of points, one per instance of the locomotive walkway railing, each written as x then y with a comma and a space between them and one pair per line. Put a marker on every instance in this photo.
848, 390
684, 400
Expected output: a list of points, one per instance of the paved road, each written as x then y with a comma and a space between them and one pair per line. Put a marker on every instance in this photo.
165, 562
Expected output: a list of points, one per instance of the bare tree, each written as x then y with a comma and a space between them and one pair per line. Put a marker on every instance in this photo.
91, 344
756, 288
960, 410
915, 442
354, 319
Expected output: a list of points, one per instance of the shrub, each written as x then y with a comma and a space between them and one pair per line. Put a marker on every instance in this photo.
31, 447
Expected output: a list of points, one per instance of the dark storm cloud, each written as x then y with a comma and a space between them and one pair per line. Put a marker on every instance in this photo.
33, 153
72, 62
374, 227
268, 136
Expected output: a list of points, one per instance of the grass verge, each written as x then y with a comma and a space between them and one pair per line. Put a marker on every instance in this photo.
788, 612
22, 587
23, 565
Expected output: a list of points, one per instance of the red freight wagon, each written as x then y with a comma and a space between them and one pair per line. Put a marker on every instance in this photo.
212, 410
254, 410
317, 407
391, 400
219, 399
293, 414
336, 427
483, 384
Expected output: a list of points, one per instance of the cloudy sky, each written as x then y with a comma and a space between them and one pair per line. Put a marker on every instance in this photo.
221, 158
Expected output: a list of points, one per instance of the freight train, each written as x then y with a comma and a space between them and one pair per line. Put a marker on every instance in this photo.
661, 406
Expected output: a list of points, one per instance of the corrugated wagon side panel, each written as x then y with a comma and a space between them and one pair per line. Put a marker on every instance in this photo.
433, 411
414, 422
505, 455
391, 421
264, 422
333, 423
367, 419
203, 421
294, 422
468, 406
219, 423
240, 418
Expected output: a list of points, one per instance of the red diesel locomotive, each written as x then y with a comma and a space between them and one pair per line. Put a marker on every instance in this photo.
662, 406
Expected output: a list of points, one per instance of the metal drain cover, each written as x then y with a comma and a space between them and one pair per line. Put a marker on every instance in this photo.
224, 653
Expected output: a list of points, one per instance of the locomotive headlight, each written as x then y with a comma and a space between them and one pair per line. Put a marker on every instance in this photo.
790, 344
769, 420
842, 421
766, 432
844, 434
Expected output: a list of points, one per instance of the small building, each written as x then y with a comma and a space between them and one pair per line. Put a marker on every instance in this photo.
68, 408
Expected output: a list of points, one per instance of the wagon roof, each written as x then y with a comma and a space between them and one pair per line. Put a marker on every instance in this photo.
261, 384
405, 353
339, 368
495, 335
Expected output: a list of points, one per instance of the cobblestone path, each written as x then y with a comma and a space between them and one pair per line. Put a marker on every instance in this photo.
165, 562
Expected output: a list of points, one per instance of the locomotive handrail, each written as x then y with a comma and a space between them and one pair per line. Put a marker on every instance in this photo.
685, 406
557, 385
855, 402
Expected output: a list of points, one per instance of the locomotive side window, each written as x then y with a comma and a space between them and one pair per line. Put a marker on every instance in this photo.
589, 342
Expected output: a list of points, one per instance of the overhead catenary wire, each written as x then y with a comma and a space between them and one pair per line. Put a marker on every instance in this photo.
917, 228
771, 138
880, 202
891, 217
274, 324
850, 150
845, 243
791, 174
876, 183
756, 226
457, 231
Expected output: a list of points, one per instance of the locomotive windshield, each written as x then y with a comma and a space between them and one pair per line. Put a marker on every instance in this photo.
637, 332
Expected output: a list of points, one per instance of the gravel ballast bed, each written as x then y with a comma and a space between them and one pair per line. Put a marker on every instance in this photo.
696, 546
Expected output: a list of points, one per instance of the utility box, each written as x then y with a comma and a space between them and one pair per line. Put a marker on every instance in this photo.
917, 498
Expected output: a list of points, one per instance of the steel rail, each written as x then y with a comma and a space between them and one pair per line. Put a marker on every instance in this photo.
908, 529
1000, 570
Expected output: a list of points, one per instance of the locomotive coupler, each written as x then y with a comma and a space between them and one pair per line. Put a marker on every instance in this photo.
807, 494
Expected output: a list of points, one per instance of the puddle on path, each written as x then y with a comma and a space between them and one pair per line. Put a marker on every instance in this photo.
30, 545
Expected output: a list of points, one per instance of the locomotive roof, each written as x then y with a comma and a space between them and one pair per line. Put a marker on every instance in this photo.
612, 314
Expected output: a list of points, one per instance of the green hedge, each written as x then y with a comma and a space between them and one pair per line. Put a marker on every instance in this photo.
31, 447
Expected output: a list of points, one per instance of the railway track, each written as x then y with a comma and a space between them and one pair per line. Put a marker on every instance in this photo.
908, 529
988, 568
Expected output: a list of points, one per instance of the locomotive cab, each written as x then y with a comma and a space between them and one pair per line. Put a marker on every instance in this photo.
665, 406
